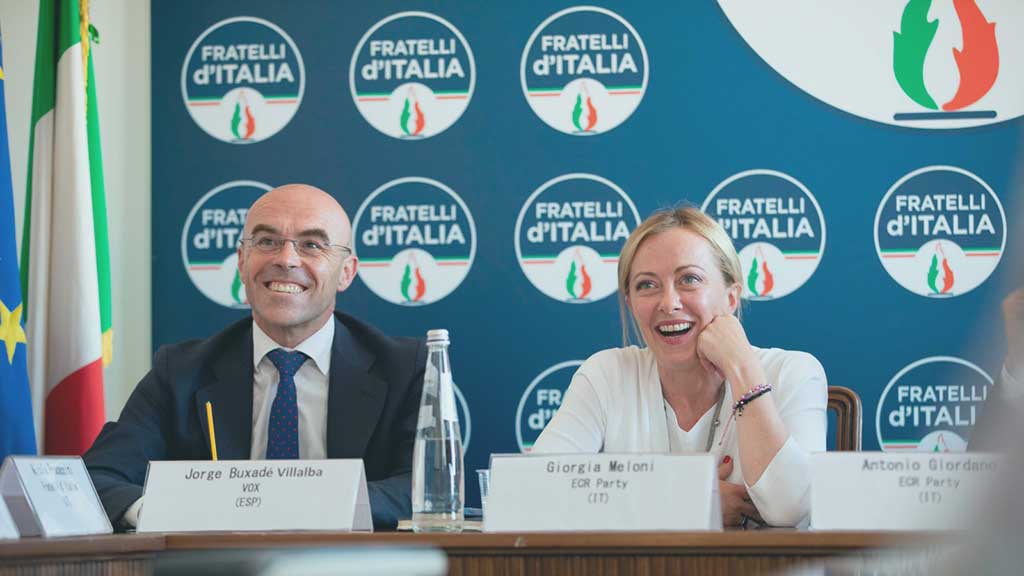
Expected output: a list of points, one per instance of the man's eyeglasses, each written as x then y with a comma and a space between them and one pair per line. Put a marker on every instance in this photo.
309, 247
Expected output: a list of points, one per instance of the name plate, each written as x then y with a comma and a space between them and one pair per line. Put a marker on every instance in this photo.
600, 492
51, 496
883, 491
255, 495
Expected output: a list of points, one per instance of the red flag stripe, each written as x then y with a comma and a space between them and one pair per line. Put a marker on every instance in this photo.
75, 411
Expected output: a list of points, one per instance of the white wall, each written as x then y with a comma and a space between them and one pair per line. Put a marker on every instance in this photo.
123, 88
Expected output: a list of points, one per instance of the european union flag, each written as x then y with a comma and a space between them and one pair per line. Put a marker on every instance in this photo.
17, 435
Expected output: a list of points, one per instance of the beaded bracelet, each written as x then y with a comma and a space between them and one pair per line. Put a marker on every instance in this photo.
737, 408
750, 396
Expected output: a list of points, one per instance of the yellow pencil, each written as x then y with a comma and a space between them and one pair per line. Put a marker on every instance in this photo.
213, 435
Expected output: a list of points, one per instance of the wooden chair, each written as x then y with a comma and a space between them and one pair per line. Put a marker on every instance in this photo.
846, 403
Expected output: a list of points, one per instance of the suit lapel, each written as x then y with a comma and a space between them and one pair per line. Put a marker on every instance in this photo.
355, 396
230, 393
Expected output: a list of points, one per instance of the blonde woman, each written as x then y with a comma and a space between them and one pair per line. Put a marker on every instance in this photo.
698, 385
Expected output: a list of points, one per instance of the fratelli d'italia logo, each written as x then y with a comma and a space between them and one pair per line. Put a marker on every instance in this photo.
243, 80
584, 70
541, 400
412, 75
931, 405
977, 61
932, 64
940, 231
776, 225
569, 234
415, 239
209, 241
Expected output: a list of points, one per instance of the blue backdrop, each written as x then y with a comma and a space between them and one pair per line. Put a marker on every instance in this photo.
712, 108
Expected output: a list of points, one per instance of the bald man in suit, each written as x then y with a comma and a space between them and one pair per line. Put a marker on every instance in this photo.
295, 380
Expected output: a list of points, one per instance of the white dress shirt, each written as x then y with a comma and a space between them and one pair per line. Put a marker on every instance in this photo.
310, 391
311, 387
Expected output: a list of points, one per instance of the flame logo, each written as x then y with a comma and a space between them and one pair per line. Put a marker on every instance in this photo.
940, 444
759, 270
412, 271
242, 107
236, 289
933, 272
977, 61
415, 115
578, 283
577, 111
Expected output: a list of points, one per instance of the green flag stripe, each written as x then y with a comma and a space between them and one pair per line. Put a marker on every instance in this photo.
99, 200
44, 88
43, 98
68, 33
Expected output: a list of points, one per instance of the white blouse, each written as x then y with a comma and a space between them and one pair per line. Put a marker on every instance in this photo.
615, 404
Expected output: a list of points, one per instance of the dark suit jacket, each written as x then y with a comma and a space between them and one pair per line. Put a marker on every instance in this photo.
373, 400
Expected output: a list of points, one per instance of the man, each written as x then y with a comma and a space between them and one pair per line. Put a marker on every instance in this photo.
296, 380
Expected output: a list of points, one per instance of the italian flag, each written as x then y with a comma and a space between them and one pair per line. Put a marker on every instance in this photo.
65, 261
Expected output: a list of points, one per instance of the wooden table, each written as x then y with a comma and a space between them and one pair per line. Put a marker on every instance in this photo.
121, 555
731, 552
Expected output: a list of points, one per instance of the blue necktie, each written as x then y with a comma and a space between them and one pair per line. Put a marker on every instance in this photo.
283, 432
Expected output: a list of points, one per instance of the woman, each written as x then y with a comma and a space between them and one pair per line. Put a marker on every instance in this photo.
698, 385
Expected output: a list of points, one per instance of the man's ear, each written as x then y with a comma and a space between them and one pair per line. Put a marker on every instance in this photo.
348, 272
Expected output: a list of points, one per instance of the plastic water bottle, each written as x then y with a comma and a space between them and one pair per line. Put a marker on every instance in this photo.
437, 469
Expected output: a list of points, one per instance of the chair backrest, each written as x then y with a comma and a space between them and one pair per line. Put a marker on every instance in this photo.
846, 403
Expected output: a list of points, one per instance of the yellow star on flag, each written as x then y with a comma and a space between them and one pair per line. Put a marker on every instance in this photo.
11, 332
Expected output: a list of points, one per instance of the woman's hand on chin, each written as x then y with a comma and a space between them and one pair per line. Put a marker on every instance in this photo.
723, 348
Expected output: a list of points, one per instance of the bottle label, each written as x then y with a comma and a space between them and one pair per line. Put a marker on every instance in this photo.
426, 418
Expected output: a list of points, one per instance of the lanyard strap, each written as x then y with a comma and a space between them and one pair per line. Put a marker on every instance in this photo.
714, 423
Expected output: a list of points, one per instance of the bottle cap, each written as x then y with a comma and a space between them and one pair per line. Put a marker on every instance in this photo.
437, 336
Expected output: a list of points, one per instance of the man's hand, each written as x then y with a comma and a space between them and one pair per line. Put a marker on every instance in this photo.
735, 500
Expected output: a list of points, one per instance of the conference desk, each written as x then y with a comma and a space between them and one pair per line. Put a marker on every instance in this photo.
729, 552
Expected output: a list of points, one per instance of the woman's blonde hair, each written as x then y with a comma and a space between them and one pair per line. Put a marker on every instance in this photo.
688, 218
